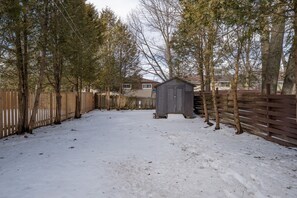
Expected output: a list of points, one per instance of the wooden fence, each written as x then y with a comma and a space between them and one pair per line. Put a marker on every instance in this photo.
46, 110
123, 102
272, 117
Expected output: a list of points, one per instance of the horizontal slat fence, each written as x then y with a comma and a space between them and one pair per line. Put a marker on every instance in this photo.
46, 110
272, 117
123, 102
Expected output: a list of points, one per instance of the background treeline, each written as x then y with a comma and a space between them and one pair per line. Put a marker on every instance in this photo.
254, 43
61, 45
184, 37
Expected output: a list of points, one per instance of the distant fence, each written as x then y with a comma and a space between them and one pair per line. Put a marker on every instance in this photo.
46, 110
123, 102
272, 117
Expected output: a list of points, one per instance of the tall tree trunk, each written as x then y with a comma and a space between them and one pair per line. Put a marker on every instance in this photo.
248, 68
78, 99
214, 97
276, 49
108, 98
23, 92
234, 90
211, 40
201, 74
168, 57
206, 116
42, 68
120, 98
58, 63
22, 57
289, 80
206, 61
265, 53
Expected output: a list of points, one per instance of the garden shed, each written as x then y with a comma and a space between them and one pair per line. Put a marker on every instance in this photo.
174, 96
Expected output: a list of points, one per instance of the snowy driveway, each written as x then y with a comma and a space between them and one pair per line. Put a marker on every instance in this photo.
128, 154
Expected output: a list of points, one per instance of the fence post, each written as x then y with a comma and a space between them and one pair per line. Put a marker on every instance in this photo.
51, 108
66, 104
1, 112
8, 100
96, 101
268, 109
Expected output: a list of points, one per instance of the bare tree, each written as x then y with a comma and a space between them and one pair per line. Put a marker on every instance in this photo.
156, 19
272, 39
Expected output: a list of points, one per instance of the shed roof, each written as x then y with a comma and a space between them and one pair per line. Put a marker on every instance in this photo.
175, 78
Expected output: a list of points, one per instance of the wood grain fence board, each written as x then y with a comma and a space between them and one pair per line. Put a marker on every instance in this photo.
46, 110
274, 130
1, 115
273, 116
5, 113
9, 109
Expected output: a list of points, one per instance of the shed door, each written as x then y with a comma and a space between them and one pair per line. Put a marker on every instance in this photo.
175, 99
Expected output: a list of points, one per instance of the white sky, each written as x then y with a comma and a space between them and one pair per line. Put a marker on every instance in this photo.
121, 7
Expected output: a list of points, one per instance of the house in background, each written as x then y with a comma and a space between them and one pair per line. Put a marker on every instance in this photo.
142, 89
222, 82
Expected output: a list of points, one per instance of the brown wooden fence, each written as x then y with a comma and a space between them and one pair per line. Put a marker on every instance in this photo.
272, 117
123, 102
46, 109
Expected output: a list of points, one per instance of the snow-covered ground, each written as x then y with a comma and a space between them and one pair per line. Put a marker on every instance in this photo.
129, 154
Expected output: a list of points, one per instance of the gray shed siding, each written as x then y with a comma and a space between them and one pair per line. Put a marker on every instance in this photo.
174, 97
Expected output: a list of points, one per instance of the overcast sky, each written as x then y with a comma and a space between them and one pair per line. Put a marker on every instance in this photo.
121, 7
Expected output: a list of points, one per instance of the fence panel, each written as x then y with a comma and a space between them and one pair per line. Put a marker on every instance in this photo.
272, 117
2, 109
46, 109
8, 113
123, 102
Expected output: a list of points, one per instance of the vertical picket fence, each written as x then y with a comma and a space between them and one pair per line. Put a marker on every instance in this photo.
124, 102
46, 110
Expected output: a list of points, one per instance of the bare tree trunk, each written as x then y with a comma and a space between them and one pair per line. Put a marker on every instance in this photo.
58, 107
120, 98
42, 68
23, 87
289, 80
214, 97
207, 69
234, 90
211, 41
57, 67
265, 53
200, 71
22, 57
58, 78
276, 49
78, 98
108, 98
248, 66
206, 116
272, 60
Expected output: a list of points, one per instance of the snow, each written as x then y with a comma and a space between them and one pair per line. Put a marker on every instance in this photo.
126, 154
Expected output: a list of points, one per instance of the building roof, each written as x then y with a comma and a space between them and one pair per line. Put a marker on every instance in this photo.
175, 78
144, 80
